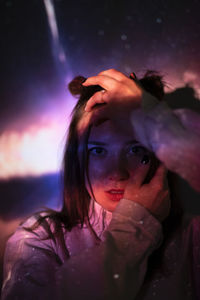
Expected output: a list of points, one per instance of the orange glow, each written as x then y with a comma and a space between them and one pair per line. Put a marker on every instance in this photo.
35, 151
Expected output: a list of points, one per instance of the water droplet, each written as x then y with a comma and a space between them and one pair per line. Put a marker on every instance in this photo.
123, 37
159, 20
72, 38
127, 46
8, 3
101, 32
126, 244
107, 21
129, 18
116, 276
141, 222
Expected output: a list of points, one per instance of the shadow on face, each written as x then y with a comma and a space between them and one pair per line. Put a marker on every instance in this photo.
115, 159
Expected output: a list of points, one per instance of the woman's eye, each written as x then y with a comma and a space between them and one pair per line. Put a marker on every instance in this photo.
136, 150
97, 151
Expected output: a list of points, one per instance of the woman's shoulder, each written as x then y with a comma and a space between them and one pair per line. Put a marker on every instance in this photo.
36, 236
37, 230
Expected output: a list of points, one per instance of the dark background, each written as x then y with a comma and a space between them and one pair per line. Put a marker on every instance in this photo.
93, 35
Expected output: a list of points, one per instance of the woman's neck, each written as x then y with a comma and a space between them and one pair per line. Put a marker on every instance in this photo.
99, 217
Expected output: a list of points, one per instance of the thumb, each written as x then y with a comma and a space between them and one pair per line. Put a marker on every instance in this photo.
140, 174
136, 181
159, 178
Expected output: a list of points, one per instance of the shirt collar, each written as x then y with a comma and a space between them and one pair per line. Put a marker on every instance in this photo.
99, 217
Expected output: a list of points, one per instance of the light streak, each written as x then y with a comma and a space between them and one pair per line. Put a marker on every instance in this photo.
58, 50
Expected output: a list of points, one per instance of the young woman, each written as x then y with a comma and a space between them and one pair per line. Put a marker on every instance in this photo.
116, 201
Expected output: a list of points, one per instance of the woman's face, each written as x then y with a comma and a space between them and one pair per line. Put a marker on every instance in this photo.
114, 158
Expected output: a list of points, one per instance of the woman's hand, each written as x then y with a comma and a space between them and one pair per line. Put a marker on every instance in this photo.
154, 196
117, 88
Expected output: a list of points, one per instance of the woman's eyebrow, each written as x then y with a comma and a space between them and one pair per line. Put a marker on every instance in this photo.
132, 142
96, 143
103, 144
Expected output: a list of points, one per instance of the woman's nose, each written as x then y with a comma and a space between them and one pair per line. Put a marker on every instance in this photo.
117, 170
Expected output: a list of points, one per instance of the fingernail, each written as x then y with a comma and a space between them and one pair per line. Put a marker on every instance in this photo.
87, 109
133, 76
84, 82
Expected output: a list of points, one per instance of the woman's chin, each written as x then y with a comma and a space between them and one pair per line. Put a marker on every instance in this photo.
110, 205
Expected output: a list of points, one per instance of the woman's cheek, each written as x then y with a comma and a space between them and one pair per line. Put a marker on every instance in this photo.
97, 170
95, 176
136, 166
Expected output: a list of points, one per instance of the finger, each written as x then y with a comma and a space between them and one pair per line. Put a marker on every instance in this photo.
135, 182
120, 77
114, 74
97, 98
159, 177
105, 82
140, 175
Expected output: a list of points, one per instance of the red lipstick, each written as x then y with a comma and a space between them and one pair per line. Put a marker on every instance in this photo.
115, 194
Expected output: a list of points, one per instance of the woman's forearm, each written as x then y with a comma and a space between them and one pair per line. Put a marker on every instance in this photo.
172, 135
115, 269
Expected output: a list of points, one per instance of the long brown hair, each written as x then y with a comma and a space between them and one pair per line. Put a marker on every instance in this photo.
76, 199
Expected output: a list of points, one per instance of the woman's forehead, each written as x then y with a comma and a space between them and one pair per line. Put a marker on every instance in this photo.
106, 129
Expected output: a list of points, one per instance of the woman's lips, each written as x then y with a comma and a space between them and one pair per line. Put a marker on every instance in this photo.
115, 194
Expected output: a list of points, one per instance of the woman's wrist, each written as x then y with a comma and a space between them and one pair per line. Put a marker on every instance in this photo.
148, 101
138, 215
